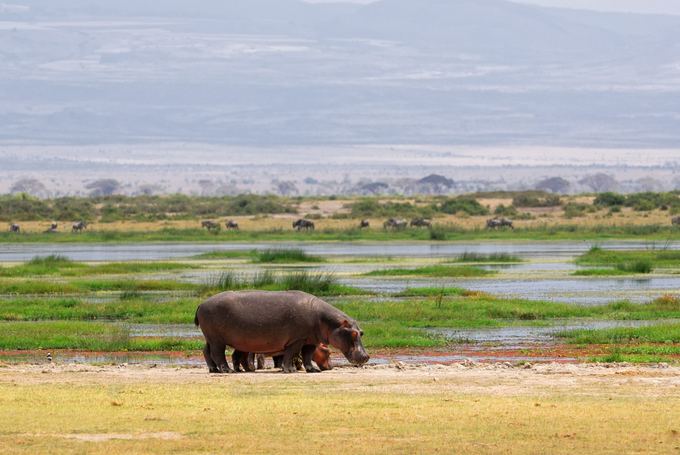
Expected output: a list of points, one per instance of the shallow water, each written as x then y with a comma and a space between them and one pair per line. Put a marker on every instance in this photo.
158, 251
518, 337
582, 291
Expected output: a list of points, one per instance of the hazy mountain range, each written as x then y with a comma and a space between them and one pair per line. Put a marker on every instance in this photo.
284, 72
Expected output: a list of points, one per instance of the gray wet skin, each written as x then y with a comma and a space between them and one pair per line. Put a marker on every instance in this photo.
275, 323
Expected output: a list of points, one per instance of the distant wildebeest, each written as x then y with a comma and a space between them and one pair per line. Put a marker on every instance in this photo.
79, 226
495, 223
421, 222
676, 221
14, 228
364, 224
210, 225
303, 224
232, 225
395, 224
52, 229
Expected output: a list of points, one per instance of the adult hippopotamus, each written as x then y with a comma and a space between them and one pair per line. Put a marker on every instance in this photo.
275, 323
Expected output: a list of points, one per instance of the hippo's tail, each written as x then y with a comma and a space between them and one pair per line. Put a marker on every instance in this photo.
196, 316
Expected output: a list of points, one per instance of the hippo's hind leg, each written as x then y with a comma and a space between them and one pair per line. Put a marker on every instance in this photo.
307, 354
260, 361
218, 357
289, 354
212, 366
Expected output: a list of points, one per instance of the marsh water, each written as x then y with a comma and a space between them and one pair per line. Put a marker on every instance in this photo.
159, 251
544, 274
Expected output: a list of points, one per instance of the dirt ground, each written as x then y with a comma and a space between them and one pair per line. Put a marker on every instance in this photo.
467, 377
396, 408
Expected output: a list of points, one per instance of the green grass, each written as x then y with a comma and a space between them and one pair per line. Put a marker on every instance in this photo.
82, 286
430, 292
666, 333
400, 323
59, 265
313, 283
600, 272
268, 256
643, 259
485, 258
91, 336
236, 254
138, 309
439, 271
285, 256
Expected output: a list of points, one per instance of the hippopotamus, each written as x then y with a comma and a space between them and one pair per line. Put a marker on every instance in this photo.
275, 323
246, 361
321, 356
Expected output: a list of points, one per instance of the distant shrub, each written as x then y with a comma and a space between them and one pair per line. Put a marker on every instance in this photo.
609, 199
530, 200
502, 210
573, 209
462, 204
372, 207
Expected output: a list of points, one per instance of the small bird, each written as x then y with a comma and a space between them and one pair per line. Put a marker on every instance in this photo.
49, 356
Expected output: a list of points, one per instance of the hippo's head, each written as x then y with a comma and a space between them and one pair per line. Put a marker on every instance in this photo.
322, 357
347, 338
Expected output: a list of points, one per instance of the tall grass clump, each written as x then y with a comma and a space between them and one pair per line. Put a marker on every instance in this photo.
42, 265
313, 283
285, 255
640, 266
468, 256
438, 233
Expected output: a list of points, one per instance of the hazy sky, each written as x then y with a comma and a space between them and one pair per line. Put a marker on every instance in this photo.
638, 6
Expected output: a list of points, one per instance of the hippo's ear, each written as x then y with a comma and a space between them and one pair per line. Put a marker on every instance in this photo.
345, 324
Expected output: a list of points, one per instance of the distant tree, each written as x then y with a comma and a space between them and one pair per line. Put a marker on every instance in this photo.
285, 188
600, 182
103, 187
29, 186
554, 185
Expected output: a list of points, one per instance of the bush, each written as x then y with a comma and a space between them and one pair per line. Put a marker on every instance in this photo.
464, 204
502, 210
372, 207
530, 200
609, 199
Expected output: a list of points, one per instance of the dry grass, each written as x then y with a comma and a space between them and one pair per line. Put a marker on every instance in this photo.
549, 216
448, 410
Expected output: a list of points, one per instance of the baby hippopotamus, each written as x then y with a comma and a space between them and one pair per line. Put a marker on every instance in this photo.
246, 361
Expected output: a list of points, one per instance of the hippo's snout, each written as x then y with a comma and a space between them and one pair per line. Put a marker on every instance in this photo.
359, 357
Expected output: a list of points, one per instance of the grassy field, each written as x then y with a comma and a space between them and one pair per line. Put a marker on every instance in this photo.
166, 410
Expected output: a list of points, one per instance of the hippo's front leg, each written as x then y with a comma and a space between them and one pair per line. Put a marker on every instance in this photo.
288, 354
307, 354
